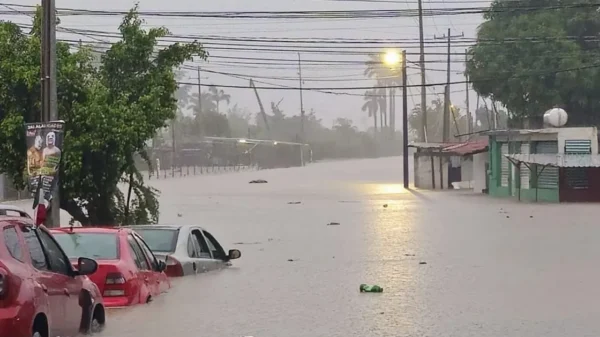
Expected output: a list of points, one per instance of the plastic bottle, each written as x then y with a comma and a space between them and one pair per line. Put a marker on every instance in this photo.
370, 288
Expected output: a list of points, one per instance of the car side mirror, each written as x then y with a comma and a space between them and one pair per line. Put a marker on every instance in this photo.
162, 266
86, 266
234, 254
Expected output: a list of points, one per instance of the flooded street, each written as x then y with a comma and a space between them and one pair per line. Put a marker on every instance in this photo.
494, 267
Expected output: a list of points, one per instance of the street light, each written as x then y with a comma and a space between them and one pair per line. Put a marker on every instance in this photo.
392, 58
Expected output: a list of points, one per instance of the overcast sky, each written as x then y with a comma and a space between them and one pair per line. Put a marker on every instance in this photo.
327, 106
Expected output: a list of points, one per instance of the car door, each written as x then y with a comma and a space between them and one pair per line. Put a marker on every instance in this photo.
216, 250
142, 276
72, 285
158, 279
204, 259
49, 283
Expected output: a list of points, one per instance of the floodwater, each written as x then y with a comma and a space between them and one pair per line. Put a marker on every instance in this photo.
493, 267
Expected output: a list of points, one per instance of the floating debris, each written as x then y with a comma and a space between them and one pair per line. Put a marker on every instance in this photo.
333, 224
294, 202
409, 254
179, 215
291, 260
422, 262
258, 181
247, 243
385, 205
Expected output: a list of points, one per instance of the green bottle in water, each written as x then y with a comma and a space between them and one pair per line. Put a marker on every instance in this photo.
368, 288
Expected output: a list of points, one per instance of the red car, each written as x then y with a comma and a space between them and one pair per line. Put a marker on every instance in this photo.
41, 294
128, 272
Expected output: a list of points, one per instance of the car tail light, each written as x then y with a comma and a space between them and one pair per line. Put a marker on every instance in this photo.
114, 285
174, 267
115, 278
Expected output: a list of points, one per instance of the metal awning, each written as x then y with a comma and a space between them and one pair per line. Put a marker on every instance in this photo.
557, 160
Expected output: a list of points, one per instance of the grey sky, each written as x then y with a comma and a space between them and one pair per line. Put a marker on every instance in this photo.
327, 106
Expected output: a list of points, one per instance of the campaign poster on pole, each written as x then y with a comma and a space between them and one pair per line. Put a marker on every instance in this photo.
44, 152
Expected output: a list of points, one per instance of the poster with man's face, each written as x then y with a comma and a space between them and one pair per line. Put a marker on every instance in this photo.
44, 151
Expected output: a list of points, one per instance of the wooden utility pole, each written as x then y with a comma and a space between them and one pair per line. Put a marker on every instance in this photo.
423, 130
446, 120
301, 100
48, 82
469, 115
199, 92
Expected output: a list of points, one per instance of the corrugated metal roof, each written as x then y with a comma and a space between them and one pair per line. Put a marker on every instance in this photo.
558, 160
459, 149
467, 148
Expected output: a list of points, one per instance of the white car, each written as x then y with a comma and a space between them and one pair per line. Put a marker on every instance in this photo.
10, 210
186, 250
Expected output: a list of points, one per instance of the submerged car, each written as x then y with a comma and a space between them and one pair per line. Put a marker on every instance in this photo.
128, 273
41, 293
186, 250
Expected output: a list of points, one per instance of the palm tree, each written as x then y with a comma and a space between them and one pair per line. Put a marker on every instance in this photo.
386, 77
371, 105
218, 95
382, 100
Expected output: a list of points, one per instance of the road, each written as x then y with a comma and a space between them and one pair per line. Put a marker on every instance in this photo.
493, 267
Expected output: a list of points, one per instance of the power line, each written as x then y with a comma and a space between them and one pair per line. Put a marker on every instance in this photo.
593, 66
322, 14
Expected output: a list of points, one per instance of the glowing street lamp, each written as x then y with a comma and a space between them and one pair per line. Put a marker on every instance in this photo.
392, 58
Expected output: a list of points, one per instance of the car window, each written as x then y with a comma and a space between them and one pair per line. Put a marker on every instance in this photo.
97, 246
147, 252
38, 259
59, 262
138, 255
11, 240
215, 247
159, 240
193, 248
204, 249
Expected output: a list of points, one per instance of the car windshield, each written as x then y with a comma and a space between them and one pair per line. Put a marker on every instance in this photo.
98, 246
159, 240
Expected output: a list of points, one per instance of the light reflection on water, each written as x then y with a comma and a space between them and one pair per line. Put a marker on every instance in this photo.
486, 275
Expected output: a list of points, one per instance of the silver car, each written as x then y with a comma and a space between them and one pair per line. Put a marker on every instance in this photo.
186, 250
10, 210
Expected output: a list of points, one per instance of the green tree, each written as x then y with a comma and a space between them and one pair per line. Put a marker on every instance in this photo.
519, 56
435, 121
110, 112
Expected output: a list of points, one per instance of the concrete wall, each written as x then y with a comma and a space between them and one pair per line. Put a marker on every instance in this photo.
422, 172
479, 172
577, 134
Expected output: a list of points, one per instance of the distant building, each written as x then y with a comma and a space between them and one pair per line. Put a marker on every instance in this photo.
549, 165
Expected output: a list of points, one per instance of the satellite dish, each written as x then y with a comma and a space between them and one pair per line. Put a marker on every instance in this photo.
556, 117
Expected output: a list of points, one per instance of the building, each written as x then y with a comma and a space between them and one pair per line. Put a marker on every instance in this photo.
549, 165
450, 165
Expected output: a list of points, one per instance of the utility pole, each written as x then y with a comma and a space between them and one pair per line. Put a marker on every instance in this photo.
446, 121
469, 115
48, 82
301, 101
199, 92
404, 122
423, 131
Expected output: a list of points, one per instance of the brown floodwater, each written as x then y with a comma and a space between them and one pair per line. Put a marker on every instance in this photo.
493, 267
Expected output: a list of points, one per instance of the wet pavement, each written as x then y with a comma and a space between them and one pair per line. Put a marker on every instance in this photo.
494, 267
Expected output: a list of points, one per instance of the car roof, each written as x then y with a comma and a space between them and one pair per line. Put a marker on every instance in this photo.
159, 226
96, 230
12, 208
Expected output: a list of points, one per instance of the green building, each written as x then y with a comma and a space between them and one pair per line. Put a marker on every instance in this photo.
546, 165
